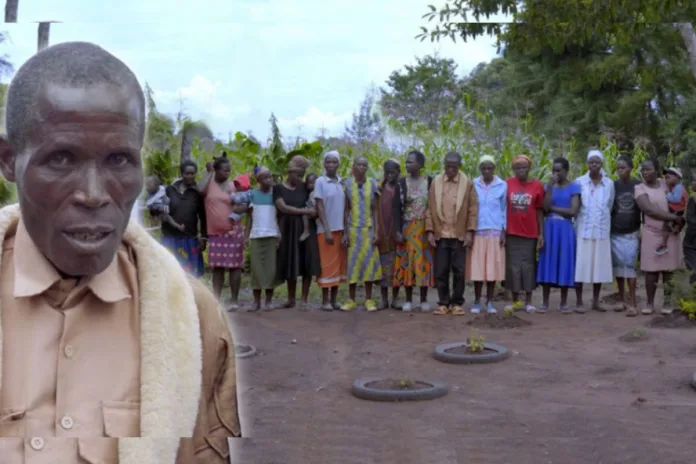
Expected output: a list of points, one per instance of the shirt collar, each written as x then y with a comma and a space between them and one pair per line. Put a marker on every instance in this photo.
456, 178
34, 274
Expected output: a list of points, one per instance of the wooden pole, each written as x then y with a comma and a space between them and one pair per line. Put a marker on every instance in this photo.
11, 7
44, 33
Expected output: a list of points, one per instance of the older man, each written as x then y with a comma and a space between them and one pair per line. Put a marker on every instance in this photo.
103, 335
450, 222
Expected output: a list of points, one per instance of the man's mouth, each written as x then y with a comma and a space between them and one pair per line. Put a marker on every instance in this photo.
88, 237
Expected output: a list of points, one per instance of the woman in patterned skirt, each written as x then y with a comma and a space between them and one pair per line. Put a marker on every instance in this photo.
414, 257
225, 236
363, 256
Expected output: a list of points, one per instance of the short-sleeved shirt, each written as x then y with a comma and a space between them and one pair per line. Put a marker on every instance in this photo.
331, 193
625, 214
523, 201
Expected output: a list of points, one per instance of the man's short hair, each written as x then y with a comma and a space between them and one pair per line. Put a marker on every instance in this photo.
70, 64
454, 156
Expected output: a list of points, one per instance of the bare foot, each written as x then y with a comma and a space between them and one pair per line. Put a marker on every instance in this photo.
304, 236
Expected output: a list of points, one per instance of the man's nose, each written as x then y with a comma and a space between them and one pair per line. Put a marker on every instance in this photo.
92, 192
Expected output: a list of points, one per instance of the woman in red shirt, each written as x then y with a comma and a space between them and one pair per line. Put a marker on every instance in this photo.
525, 232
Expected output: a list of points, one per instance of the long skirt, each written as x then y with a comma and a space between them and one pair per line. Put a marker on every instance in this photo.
557, 257
333, 261
363, 256
486, 260
262, 262
592, 266
414, 258
296, 258
520, 264
387, 261
624, 254
187, 251
651, 261
227, 250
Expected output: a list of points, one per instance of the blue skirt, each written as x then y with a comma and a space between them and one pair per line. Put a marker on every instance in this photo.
556, 265
187, 253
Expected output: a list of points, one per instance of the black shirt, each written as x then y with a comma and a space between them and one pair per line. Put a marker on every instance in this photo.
185, 208
626, 217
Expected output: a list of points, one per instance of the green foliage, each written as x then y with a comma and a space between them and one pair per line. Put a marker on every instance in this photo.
683, 292
475, 342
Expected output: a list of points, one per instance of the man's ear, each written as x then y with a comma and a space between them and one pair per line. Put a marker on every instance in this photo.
7, 160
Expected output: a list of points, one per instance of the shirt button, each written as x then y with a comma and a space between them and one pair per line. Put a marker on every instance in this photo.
67, 422
37, 443
69, 351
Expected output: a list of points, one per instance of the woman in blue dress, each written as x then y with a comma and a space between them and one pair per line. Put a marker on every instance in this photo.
556, 266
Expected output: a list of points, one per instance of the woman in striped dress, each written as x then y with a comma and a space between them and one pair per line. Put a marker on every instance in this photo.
363, 256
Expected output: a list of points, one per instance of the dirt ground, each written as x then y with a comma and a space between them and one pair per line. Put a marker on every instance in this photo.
572, 391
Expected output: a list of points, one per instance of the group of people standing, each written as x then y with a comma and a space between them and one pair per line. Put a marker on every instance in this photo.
411, 230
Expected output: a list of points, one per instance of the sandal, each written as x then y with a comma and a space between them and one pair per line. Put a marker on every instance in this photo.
647, 311
542, 309
565, 310
530, 308
631, 312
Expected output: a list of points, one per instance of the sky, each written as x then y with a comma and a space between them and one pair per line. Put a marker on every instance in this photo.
310, 62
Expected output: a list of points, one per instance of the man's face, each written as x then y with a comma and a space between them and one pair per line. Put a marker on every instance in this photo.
451, 168
360, 167
79, 175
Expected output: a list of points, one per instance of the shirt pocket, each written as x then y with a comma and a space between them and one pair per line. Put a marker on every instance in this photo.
12, 422
121, 419
97, 450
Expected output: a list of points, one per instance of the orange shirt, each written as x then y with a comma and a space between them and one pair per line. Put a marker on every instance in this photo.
218, 207
70, 359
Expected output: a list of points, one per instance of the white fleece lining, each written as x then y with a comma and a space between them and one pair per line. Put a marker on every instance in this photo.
171, 349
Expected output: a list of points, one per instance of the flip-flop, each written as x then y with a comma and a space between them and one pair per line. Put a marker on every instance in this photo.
565, 310
647, 311
542, 309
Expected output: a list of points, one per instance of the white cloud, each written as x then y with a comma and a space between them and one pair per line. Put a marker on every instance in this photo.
314, 120
203, 99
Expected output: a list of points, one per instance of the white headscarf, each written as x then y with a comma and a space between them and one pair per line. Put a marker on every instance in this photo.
332, 154
597, 154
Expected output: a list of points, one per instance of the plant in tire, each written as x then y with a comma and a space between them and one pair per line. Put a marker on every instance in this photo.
475, 341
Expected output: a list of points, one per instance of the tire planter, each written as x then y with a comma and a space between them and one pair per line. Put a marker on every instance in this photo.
492, 353
365, 389
244, 351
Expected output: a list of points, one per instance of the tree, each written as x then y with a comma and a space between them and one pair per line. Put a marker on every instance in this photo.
586, 69
367, 126
6, 67
423, 92
561, 24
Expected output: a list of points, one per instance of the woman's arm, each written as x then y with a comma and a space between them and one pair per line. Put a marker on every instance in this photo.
321, 214
650, 210
285, 209
548, 196
205, 183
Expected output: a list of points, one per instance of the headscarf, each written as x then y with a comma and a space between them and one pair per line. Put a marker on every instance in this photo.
259, 169
597, 154
332, 154
487, 159
298, 163
524, 158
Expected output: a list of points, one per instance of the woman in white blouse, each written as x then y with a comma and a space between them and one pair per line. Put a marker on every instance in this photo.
593, 227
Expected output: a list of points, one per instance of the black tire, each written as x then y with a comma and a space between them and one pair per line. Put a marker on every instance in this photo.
441, 354
246, 354
693, 381
364, 392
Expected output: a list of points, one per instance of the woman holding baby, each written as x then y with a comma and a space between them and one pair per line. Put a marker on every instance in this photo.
225, 230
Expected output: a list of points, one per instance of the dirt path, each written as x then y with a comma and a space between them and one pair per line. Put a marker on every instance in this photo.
571, 392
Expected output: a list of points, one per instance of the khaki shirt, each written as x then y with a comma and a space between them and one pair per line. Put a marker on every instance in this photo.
449, 206
70, 358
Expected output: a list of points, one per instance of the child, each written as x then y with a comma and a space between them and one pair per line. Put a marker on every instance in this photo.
309, 183
264, 236
676, 199
157, 202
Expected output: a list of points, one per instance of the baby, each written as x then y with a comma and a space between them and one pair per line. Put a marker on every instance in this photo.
309, 183
676, 200
157, 202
